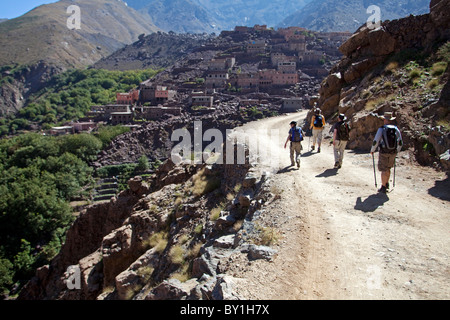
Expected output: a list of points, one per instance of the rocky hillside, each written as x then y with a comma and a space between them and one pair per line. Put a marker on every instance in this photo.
42, 34
165, 238
158, 50
349, 15
401, 67
39, 45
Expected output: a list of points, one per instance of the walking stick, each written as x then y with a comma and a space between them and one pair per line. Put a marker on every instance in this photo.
395, 165
374, 172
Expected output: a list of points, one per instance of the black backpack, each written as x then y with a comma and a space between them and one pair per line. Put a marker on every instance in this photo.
344, 131
389, 139
318, 122
297, 135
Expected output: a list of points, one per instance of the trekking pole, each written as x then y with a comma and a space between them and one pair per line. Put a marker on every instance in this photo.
395, 165
309, 140
374, 172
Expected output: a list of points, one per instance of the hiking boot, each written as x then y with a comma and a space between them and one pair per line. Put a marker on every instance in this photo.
318, 150
382, 189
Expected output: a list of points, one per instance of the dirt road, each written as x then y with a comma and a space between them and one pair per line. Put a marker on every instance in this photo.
340, 239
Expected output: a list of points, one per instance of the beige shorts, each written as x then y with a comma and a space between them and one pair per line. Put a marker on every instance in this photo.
386, 161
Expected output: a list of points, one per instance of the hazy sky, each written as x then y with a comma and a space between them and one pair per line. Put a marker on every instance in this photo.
15, 8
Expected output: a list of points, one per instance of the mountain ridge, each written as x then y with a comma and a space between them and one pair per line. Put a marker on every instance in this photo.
349, 15
43, 33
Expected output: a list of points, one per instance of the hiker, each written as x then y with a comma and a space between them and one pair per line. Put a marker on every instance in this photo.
389, 139
317, 125
341, 132
295, 137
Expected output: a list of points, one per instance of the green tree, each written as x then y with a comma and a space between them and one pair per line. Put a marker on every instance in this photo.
143, 164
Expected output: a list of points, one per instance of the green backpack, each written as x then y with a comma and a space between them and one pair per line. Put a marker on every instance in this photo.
344, 131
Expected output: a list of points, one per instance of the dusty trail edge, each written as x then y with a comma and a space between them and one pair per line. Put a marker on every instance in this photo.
339, 239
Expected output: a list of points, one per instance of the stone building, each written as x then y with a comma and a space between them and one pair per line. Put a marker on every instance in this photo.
156, 94
292, 104
216, 79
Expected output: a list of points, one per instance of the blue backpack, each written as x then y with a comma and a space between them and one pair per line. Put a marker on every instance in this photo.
297, 135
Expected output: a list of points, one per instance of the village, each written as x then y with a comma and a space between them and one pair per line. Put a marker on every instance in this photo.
250, 66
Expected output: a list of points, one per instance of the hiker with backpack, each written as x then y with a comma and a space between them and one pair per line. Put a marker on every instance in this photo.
389, 140
317, 125
295, 137
341, 135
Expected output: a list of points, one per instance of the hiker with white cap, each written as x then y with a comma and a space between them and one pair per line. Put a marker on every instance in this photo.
317, 124
295, 137
341, 135
389, 139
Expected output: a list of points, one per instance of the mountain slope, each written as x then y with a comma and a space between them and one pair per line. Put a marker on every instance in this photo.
42, 33
349, 15
199, 16
179, 16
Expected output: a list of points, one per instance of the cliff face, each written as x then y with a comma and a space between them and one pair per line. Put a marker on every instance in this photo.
400, 67
29, 80
168, 237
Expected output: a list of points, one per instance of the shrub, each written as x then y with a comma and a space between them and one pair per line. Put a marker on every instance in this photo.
267, 236
438, 68
143, 164
158, 241
204, 183
415, 73
176, 254
391, 67
107, 133
432, 84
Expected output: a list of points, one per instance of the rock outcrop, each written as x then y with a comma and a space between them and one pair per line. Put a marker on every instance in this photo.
374, 77
172, 236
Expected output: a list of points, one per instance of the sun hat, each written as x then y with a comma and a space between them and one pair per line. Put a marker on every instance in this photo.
389, 116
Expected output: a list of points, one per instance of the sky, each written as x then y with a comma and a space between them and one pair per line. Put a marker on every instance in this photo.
14, 8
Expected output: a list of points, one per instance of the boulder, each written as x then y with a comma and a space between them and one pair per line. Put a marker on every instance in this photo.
381, 42
173, 289
224, 241
224, 288
331, 85
357, 40
138, 186
260, 252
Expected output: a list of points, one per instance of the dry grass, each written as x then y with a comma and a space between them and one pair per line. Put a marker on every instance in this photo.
215, 213
158, 241
176, 254
267, 236
438, 68
195, 251
145, 272
183, 275
204, 183
433, 83
391, 67
444, 123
